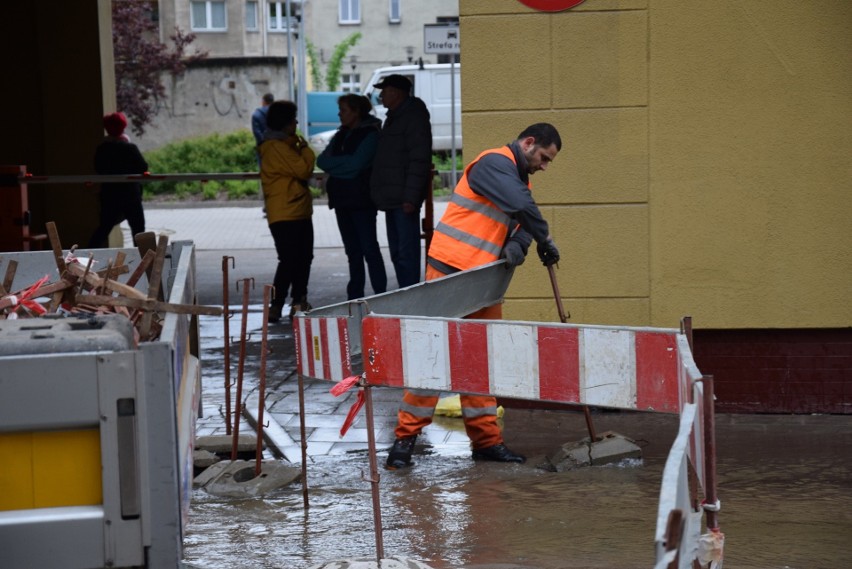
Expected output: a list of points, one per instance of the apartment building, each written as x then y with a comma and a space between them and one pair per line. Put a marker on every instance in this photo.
249, 48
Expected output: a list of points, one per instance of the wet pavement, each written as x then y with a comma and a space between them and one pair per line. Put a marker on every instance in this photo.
785, 482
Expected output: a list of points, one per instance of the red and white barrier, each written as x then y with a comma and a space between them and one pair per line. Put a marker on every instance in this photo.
629, 368
322, 348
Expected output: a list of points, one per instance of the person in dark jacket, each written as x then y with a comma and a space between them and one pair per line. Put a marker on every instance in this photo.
119, 201
347, 160
401, 174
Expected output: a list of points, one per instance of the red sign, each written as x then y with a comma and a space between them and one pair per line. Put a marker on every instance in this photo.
550, 5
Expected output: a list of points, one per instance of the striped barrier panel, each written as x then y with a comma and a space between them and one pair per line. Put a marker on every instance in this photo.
323, 347
628, 368
649, 369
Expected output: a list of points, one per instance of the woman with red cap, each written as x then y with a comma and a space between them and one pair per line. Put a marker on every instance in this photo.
119, 201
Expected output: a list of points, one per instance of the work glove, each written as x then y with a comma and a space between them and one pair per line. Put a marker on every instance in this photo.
548, 253
514, 254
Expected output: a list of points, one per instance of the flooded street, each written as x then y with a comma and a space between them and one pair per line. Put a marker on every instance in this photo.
785, 483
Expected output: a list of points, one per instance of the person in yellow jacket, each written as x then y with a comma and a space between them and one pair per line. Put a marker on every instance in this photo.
286, 165
491, 215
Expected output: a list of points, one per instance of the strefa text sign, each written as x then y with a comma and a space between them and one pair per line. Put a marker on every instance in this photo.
441, 39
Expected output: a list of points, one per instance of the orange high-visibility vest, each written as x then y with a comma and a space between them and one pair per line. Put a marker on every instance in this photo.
472, 231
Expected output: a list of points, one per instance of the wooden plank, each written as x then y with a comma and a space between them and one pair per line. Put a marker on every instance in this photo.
11, 269
148, 305
147, 259
56, 245
95, 281
58, 286
154, 284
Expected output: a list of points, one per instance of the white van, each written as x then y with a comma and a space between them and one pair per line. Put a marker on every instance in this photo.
432, 85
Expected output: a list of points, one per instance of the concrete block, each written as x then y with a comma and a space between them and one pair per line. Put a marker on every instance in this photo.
237, 479
220, 444
395, 562
202, 459
610, 447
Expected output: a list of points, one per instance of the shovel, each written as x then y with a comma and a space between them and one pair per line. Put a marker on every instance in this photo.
563, 317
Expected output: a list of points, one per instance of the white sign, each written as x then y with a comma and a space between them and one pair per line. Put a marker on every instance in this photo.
441, 39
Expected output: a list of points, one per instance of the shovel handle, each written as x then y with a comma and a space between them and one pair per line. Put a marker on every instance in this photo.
563, 316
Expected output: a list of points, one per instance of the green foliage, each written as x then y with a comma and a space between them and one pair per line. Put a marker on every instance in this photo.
444, 161
234, 152
335, 62
316, 72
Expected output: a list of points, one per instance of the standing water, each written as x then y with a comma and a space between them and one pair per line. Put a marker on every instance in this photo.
785, 485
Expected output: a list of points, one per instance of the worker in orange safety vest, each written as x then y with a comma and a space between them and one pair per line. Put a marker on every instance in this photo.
491, 215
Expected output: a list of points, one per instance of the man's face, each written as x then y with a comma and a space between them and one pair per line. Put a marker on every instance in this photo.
391, 97
538, 157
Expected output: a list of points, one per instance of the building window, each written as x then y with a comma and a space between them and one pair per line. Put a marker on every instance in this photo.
350, 82
251, 16
350, 12
394, 11
278, 16
209, 16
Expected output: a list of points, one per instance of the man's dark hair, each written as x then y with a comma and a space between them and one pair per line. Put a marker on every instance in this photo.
544, 134
280, 114
268, 98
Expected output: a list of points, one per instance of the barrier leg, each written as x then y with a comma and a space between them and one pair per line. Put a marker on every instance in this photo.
374, 475
304, 441
226, 315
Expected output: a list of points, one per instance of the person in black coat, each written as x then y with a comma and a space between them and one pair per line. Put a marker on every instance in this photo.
347, 160
119, 201
402, 172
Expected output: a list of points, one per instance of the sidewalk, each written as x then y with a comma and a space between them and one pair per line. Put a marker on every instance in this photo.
243, 233
235, 227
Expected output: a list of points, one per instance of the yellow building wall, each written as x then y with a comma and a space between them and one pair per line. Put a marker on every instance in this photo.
705, 167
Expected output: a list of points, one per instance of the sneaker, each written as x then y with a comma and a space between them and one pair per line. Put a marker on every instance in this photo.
301, 306
274, 313
400, 453
498, 453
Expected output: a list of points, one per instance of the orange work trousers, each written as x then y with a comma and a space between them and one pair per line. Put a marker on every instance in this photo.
479, 412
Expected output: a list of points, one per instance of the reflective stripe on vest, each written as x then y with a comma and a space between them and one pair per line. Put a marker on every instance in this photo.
472, 230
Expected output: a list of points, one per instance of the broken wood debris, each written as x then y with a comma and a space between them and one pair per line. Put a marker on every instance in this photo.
81, 290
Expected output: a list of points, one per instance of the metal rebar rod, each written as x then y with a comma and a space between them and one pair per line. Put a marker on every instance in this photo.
267, 295
226, 315
240, 368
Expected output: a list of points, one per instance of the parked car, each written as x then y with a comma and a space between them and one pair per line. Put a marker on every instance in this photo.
432, 83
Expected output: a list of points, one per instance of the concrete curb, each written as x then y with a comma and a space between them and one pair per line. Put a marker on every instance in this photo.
277, 440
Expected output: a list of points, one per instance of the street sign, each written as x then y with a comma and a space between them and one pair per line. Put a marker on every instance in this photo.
441, 39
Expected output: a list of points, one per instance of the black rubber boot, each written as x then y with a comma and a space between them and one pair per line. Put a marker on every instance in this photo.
498, 453
275, 312
399, 455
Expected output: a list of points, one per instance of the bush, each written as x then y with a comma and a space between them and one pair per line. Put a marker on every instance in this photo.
217, 153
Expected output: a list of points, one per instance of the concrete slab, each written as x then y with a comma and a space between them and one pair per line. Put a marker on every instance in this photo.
220, 444
237, 479
609, 448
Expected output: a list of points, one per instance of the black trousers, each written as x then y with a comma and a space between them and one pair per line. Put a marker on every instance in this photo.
116, 206
294, 243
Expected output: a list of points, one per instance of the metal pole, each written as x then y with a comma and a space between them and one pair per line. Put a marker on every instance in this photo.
267, 292
226, 315
304, 441
453, 115
290, 76
240, 368
711, 505
374, 476
303, 76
